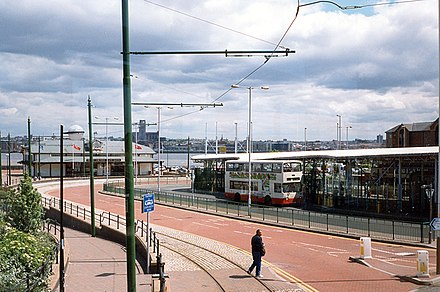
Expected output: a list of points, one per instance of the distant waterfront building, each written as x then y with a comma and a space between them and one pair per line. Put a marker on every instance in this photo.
379, 139
46, 156
421, 134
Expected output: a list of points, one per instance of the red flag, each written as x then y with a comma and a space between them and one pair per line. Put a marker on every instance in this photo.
76, 147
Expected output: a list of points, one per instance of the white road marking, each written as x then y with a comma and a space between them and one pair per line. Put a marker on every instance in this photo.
170, 217
206, 225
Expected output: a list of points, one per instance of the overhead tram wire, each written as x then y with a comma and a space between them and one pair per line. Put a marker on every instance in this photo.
281, 39
211, 23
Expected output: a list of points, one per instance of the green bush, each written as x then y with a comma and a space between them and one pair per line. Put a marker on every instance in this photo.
24, 210
24, 248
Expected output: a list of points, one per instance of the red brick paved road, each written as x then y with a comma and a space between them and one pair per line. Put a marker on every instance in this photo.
320, 261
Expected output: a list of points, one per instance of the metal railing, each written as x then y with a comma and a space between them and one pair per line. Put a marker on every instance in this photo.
379, 229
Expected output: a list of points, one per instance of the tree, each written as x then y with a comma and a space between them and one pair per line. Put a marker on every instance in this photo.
24, 210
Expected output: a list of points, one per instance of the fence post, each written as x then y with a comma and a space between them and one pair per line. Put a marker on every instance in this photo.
327, 221
277, 216
393, 229
421, 233
309, 219
369, 227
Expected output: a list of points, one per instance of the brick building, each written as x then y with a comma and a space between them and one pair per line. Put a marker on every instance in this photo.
420, 134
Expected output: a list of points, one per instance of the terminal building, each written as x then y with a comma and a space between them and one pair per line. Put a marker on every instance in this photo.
387, 181
108, 156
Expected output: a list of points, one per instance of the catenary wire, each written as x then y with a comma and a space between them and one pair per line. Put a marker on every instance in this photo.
277, 45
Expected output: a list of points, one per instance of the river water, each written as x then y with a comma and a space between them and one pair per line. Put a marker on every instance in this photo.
169, 159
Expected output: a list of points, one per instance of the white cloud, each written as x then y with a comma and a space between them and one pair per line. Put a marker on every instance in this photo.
375, 67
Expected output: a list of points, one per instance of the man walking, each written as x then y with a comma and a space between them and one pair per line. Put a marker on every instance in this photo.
258, 251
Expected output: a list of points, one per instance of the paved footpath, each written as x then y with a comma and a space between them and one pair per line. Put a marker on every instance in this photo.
319, 260
95, 264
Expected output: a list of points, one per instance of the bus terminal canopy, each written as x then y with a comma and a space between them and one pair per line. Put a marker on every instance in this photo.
326, 154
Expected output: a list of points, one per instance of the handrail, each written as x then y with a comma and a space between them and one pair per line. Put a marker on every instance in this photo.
347, 225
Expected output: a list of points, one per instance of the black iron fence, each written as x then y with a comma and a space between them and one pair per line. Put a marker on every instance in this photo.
379, 229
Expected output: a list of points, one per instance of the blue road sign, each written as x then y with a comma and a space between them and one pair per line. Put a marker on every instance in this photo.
435, 224
148, 203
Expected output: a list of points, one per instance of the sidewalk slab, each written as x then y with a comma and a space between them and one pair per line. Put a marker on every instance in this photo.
95, 264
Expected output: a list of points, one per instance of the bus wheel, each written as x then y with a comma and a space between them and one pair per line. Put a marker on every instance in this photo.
267, 200
237, 197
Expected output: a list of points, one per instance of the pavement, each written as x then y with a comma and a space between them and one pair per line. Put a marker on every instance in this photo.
95, 264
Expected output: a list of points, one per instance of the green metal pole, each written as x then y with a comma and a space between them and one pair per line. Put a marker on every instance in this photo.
62, 270
9, 159
92, 171
29, 145
1, 167
128, 140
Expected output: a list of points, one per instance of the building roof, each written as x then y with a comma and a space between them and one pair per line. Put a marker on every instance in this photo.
330, 154
76, 146
414, 127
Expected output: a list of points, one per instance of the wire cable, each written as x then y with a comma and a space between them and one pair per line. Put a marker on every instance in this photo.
211, 23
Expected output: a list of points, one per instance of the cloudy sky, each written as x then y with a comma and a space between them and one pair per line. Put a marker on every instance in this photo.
376, 67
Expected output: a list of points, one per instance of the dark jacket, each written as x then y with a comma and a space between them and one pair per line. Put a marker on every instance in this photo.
257, 243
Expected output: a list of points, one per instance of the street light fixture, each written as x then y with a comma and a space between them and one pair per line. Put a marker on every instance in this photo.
106, 143
159, 168
338, 131
305, 139
348, 127
159, 105
250, 141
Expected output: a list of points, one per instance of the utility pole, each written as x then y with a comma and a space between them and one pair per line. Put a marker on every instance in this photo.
92, 170
30, 150
128, 143
62, 209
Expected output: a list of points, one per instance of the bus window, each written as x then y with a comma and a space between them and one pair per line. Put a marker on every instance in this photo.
277, 167
291, 187
277, 187
296, 166
287, 167
256, 167
267, 167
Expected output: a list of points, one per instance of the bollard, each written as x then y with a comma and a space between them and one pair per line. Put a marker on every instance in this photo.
365, 246
422, 264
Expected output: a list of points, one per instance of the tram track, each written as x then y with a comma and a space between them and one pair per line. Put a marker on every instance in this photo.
225, 266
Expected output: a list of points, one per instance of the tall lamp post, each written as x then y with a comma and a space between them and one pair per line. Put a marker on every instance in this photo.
348, 127
305, 139
235, 141
159, 168
250, 142
338, 131
106, 143
159, 105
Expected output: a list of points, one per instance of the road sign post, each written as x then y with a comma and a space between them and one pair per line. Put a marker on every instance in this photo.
147, 207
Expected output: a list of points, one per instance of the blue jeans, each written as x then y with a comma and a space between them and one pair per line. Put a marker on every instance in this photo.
256, 256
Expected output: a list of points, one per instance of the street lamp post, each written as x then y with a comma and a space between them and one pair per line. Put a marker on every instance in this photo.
305, 139
348, 127
250, 142
159, 105
158, 145
9, 160
106, 144
236, 141
338, 131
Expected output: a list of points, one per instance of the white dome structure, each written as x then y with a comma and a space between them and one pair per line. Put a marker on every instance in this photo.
75, 132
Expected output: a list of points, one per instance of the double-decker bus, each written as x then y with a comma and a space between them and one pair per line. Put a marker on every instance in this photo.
276, 182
